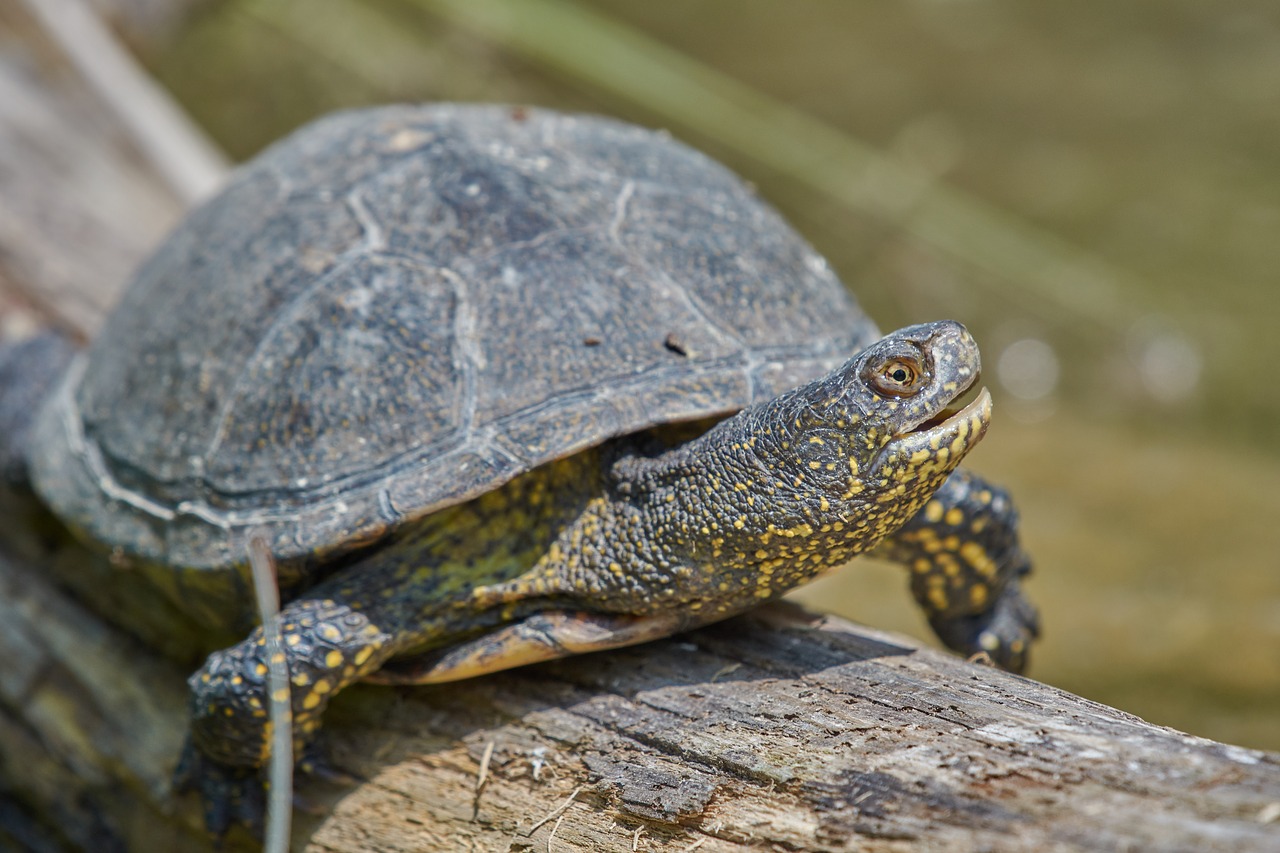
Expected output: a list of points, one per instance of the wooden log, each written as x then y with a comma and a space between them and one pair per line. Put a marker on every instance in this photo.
778, 730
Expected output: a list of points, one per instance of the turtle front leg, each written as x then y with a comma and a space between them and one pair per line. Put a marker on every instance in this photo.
966, 565
327, 645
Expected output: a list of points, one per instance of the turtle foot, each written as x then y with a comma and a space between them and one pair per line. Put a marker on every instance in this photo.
237, 796
1004, 632
231, 796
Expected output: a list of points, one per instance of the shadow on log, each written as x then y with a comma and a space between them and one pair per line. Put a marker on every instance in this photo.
777, 730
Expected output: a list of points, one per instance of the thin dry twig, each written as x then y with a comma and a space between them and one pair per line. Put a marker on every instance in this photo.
553, 832
725, 670
555, 813
482, 777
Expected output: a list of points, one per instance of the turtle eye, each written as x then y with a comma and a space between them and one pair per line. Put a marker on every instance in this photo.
898, 376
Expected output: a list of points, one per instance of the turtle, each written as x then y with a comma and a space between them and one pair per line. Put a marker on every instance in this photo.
497, 385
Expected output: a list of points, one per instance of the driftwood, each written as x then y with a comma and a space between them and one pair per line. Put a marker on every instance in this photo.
775, 731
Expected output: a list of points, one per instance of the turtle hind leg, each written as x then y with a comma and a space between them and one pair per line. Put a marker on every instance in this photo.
966, 566
542, 636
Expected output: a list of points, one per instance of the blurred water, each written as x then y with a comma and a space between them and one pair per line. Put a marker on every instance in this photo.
1137, 143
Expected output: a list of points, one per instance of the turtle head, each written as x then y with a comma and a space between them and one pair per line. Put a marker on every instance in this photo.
859, 451
782, 491
891, 408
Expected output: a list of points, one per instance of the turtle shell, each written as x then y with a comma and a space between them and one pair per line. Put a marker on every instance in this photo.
397, 309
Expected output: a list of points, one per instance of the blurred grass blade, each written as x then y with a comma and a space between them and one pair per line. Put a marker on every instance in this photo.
604, 53
280, 707
189, 162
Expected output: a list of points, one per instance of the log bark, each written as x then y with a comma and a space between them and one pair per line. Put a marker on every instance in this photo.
779, 730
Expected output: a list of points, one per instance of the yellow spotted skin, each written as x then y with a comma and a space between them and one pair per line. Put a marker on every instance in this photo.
644, 527
966, 569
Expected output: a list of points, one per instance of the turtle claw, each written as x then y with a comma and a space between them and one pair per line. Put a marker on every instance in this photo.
230, 796
237, 796
1004, 632
315, 764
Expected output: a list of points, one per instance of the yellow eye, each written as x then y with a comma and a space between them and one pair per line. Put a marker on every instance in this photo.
898, 376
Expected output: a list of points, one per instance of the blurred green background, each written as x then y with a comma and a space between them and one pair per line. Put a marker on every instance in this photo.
1093, 187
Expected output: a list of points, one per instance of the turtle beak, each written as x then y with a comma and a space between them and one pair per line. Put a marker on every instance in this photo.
950, 410
950, 431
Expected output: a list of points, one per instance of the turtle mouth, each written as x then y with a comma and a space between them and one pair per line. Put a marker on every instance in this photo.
979, 409
949, 413
953, 411
946, 436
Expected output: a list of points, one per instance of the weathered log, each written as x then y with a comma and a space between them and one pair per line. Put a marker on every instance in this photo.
778, 730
